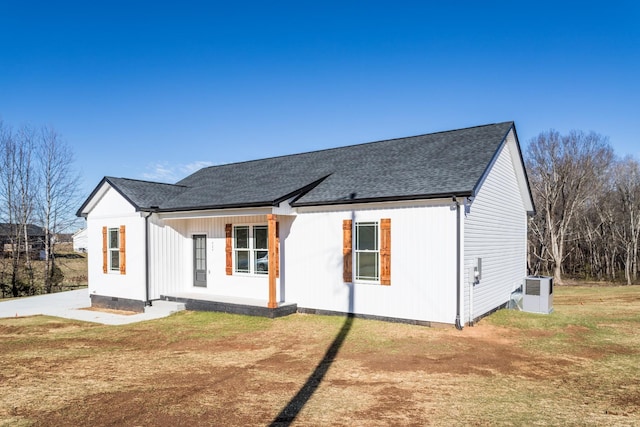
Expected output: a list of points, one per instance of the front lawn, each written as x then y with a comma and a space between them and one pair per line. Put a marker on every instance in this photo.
577, 366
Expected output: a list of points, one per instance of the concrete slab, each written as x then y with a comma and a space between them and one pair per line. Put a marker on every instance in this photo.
227, 304
70, 305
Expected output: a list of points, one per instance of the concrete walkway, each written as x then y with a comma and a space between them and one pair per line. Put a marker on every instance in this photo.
70, 304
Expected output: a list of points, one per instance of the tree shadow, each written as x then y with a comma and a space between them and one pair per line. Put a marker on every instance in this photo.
295, 405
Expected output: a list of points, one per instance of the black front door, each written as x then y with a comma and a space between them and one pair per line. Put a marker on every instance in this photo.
200, 260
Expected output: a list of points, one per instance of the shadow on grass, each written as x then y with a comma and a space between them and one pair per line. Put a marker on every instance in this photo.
295, 405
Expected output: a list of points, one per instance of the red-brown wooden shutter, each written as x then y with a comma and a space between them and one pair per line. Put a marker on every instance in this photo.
123, 250
105, 266
228, 248
347, 258
385, 251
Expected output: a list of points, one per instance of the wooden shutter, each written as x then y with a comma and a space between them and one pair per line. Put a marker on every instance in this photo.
123, 250
385, 251
277, 249
105, 264
347, 258
228, 248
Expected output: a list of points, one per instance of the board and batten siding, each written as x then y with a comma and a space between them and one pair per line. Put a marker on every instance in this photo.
423, 262
113, 211
171, 263
495, 230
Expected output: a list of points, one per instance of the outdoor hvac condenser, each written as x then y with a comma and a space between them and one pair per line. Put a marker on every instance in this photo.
538, 294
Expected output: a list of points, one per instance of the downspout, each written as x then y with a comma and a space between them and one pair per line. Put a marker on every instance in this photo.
473, 280
147, 301
458, 278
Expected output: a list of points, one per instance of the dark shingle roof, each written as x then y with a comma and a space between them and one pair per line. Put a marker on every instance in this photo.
418, 167
33, 230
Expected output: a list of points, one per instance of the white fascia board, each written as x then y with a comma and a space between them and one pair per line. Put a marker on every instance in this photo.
518, 165
374, 205
284, 208
214, 213
99, 194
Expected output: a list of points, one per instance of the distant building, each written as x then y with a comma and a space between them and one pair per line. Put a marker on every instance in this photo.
35, 241
80, 241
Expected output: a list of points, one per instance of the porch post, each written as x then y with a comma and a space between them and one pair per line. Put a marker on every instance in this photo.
271, 225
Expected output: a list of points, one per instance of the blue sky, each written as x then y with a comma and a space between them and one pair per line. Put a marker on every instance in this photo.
155, 91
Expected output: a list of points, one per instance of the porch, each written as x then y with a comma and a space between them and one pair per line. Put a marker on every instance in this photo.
235, 305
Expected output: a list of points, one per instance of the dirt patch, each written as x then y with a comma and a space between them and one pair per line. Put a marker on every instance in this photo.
216, 369
483, 350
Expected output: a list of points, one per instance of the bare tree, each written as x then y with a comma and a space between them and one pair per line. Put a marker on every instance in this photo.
37, 183
16, 190
565, 171
27, 185
58, 194
627, 192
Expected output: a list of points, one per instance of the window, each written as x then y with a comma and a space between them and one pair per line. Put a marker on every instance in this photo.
250, 245
261, 258
367, 251
371, 243
114, 249
241, 245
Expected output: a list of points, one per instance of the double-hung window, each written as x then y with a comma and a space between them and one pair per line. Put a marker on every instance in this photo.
368, 246
114, 255
114, 249
250, 245
367, 251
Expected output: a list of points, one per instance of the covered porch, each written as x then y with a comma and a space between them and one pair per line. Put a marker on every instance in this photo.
198, 253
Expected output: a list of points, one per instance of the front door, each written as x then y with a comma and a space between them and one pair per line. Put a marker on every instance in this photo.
200, 260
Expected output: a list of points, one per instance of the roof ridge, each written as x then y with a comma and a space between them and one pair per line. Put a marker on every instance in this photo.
345, 146
145, 181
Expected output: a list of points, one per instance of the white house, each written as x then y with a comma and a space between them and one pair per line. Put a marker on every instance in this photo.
425, 229
80, 240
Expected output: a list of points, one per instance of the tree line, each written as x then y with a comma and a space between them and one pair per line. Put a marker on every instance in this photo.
38, 186
587, 222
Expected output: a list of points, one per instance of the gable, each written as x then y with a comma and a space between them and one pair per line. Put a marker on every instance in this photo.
107, 202
512, 146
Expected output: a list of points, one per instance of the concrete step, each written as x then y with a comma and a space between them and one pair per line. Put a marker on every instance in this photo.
169, 307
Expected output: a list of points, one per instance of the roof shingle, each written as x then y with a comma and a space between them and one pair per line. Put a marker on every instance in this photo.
424, 166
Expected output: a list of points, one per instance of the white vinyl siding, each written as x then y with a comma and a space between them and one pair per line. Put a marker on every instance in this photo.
495, 231
423, 276
112, 212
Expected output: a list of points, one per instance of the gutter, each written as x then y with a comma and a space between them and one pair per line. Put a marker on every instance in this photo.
353, 200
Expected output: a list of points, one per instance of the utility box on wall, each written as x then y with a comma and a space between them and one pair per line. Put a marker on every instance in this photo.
538, 294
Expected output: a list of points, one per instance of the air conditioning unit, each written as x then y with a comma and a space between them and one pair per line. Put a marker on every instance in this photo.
538, 294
